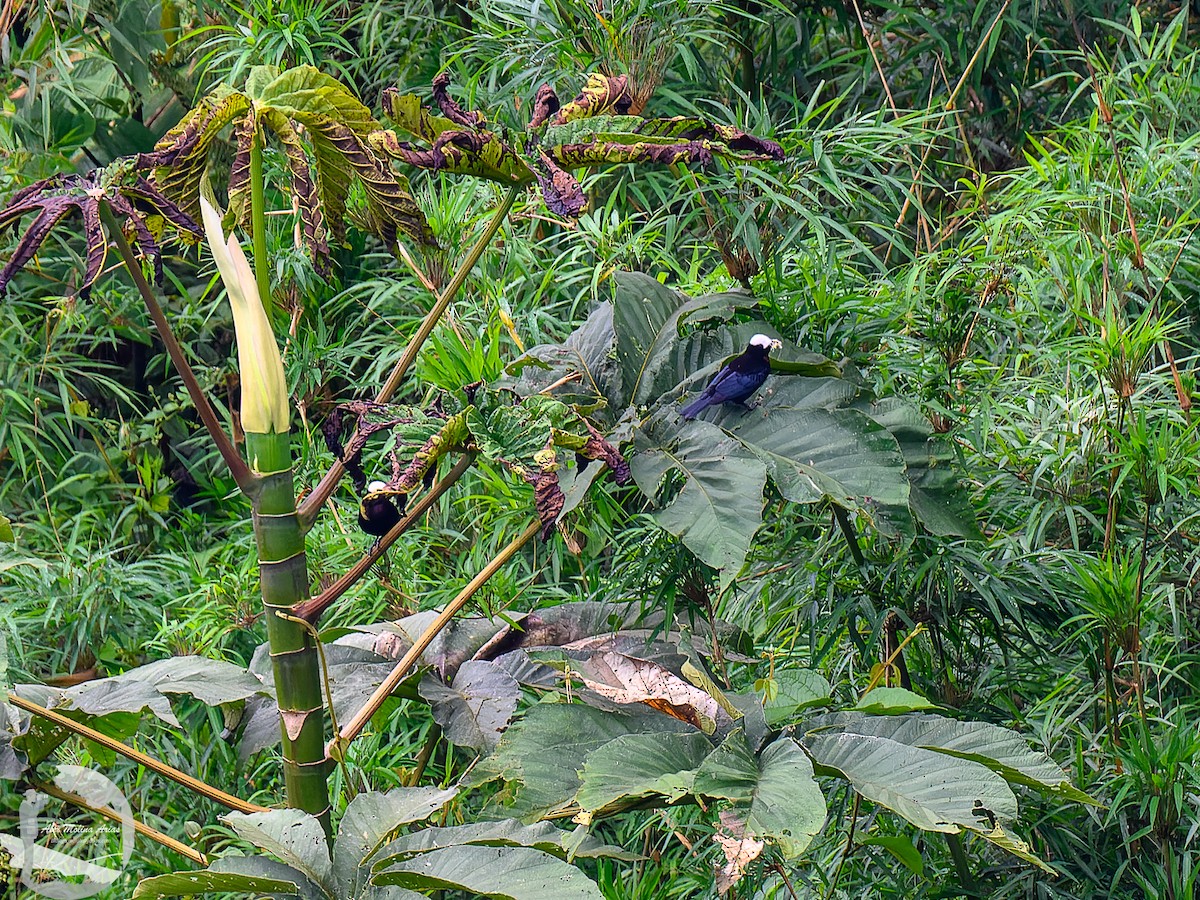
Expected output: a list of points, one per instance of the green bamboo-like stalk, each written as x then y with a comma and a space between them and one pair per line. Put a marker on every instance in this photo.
258, 221
283, 574
283, 568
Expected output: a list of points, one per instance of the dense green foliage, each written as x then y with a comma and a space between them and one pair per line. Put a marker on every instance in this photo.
978, 250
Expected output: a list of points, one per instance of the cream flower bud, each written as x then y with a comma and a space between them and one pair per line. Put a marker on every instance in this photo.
264, 388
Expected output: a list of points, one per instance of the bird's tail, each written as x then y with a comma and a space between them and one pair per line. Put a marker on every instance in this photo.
694, 408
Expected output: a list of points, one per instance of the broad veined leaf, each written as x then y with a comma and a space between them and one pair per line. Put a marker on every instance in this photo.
248, 874
292, 836
719, 506
647, 320
1002, 750
883, 701
935, 497
635, 766
542, 753
934, 791
817, 454
786, 806
504, 833
146, 687
794, 690
476, 706
368, 821
516, 873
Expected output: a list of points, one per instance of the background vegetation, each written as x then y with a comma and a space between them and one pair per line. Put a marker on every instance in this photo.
987, 208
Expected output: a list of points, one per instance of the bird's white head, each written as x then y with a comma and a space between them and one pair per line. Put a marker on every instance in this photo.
376, 486
763, 342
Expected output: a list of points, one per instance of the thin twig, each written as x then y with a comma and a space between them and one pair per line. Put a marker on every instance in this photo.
140, 827
887, 663
431, 742
154, 765
950, 104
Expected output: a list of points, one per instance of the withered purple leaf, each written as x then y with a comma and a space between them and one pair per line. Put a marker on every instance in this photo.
545, 104
53, 199
450, 109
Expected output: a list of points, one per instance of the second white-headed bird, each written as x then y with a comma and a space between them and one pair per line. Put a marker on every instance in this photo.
738, 380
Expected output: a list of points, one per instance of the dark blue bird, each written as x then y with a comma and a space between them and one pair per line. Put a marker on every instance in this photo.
737, 381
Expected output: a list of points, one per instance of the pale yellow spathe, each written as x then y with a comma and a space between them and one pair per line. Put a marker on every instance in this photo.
264, 388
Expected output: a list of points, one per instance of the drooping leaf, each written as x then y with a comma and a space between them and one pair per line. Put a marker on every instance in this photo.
512, 873
504, 833
635, 766
292, 836
1003, 751
281, 881
181, 157
590, 130
303, 107
934, 791
1017, 847
785, 804
719, 506
935, 497
542, 753
476, 707
128, 194
368, 821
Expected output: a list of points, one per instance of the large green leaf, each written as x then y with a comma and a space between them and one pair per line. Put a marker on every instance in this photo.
641, 765
818, 436
542, 753
245, 874
719, 505
647, 320
516, 873
503, 833
817, 454
292, 836
786, 805
476, 707
935, 497
794, 690
934, 791
368, 821
1000, 749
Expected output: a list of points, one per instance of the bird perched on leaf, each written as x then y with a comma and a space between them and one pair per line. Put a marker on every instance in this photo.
377, 514
738, 380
